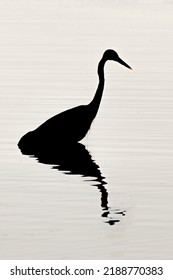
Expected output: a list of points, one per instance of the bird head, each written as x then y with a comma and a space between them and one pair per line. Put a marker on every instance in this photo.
112, 55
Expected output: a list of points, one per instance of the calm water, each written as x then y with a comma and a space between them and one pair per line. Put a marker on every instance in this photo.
114, 199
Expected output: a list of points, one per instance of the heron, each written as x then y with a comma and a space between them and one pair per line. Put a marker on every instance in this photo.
72, 125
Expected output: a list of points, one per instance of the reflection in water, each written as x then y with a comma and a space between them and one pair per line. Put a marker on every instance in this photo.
75, 159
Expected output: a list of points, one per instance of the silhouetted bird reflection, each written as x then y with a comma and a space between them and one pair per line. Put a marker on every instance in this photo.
75, 159
72, 125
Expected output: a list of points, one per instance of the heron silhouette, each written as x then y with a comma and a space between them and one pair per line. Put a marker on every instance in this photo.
72, 125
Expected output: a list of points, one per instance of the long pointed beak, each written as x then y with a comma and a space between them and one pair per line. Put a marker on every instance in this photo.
123, 63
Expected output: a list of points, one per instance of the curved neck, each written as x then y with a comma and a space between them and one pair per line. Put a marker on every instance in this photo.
95, 103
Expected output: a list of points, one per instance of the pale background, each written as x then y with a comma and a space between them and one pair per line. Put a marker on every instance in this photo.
49, 51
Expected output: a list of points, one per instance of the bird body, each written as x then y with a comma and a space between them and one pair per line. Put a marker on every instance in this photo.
71, 125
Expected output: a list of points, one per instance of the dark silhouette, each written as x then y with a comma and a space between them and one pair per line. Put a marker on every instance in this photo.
75, 159
55, 141
72, 125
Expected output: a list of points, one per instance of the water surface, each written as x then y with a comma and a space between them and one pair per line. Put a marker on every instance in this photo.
113, 198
